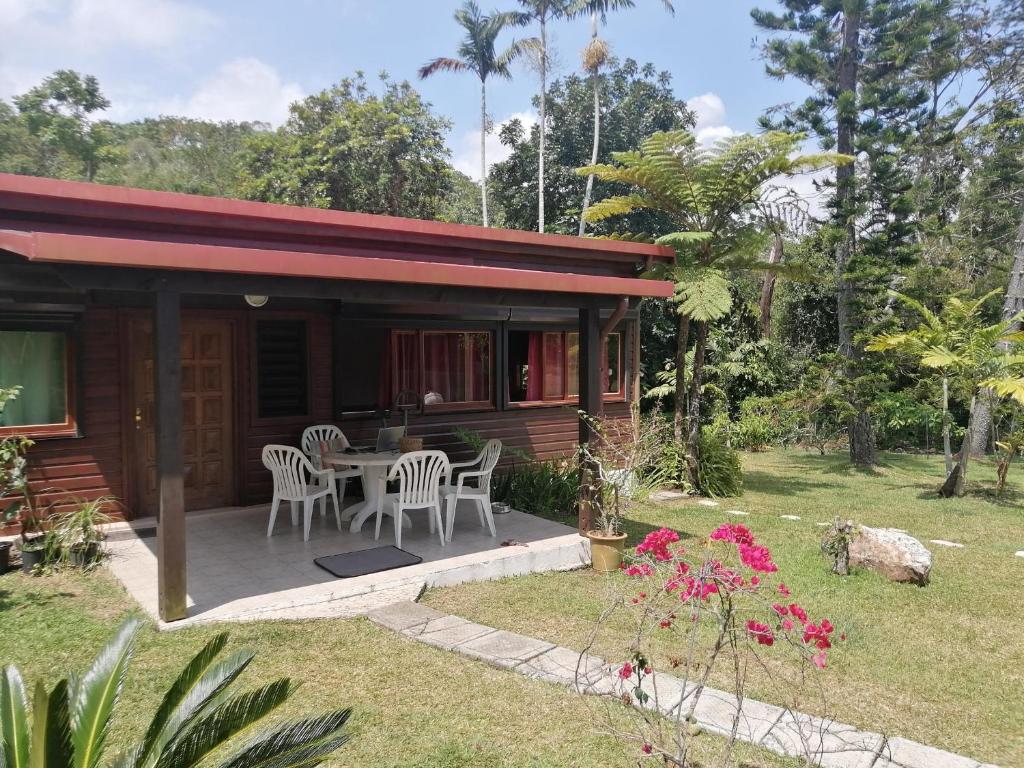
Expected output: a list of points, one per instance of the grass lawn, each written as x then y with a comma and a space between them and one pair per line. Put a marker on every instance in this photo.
415, 706
943, 664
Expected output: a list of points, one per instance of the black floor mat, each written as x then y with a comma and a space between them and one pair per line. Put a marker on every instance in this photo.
364, 561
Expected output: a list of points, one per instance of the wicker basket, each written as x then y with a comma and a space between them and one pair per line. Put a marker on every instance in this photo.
409, 444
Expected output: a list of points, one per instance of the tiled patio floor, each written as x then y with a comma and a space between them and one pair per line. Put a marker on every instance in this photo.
236, 573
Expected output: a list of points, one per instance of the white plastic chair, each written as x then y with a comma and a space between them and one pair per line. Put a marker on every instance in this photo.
480, 492
312, 437
291, 470
419, 475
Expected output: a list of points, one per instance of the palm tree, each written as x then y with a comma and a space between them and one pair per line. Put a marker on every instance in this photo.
594, 57
714, 197
68, 726
543, 11
972, 355
477, 54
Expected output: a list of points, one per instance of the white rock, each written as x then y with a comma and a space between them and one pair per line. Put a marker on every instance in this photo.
892, 553
708, 503
944, 543
823, 525
1019, 553
790, 517
735, 512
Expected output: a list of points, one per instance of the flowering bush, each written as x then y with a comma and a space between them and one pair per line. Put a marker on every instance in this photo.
719, 603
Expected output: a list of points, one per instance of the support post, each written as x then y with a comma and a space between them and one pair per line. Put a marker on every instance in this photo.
170, 531
590, 402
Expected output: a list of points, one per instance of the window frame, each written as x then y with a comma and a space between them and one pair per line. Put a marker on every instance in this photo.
70, 427
256, 419
419, 374
618, 396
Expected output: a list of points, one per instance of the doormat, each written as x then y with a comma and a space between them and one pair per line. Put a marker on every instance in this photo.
364, 561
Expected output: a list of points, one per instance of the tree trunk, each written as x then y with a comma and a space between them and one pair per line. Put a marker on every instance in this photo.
682, 341
693, 407
597, 132
483, 151
956, 483
947, 449
768, 286
543, 123
1013, 304
862, 446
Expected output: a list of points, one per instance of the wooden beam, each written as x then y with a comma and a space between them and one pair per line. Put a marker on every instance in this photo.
170, 531
590, 402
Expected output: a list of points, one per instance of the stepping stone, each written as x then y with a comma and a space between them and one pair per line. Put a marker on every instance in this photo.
1019, 553
944, 543
667, 495
504, 649
447, 632
790, 517
708, 503
824, 742
909, 754
716, 710
823, 525
403, 616
665, 692
565, 667
735, 512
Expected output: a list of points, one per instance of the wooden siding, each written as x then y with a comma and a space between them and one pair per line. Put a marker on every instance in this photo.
99, 463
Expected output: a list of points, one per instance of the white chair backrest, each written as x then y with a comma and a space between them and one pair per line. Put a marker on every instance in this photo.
488, 459
290, 469
419, 476
313, 436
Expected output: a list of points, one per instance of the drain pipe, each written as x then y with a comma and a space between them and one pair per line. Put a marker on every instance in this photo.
606, 329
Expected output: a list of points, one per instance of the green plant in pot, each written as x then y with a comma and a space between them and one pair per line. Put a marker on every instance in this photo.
79, 531
622, 467
15, 493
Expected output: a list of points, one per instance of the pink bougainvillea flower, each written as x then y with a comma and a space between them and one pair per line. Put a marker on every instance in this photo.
798, 613
787, 624
656, 543
780, 609
647, 749
819, 659
627, 671
784, 590
640, 569
756, 558
665, 623
760, 632
736, 533
755, 580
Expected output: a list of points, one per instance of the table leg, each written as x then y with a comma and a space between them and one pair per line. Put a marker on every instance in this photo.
362, 512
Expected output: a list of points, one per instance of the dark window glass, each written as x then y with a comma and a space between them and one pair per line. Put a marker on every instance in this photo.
282, 368
36, 361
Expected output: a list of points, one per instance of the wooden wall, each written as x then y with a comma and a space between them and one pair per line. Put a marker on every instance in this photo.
100, 462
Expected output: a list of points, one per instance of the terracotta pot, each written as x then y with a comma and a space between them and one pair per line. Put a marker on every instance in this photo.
606, 551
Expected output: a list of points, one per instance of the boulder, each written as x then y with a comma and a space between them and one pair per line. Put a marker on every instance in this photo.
892, 553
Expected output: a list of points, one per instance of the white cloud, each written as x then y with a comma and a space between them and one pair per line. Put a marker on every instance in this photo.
241, 89
709, 110
467, 154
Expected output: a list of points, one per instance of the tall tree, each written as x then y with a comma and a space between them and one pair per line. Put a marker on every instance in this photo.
59, 113
543, 11
477, 54
712, 199
638, 100
595, 56
353, 149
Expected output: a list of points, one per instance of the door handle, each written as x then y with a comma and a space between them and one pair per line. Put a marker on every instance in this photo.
138, 418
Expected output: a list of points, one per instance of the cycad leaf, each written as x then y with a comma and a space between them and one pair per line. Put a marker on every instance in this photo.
294, 745
940, 357
703, 294
225, 721
51, 728
94, 696
14, 719
198, 684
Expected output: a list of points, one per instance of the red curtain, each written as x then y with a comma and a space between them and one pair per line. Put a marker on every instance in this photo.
534, 355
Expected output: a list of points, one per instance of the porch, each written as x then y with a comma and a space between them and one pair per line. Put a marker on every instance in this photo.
237, 573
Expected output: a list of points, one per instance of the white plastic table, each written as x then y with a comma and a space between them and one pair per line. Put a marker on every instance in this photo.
375, 466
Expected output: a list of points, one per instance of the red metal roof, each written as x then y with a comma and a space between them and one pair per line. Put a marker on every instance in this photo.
51, 220
48, 247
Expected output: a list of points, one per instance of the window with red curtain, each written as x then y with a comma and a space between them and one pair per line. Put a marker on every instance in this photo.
544, 366
444, 367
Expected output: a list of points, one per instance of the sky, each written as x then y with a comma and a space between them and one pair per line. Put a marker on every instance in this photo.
232, 60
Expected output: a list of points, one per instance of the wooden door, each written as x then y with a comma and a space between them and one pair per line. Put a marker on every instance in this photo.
207, 414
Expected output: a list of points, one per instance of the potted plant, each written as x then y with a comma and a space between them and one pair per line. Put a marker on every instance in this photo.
619, 469
14, 483
78, 530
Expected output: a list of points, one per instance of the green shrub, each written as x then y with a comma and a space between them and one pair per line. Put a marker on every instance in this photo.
718, 467
764, 422
547, 488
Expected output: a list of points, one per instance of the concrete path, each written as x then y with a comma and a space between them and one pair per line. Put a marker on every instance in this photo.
827, 743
